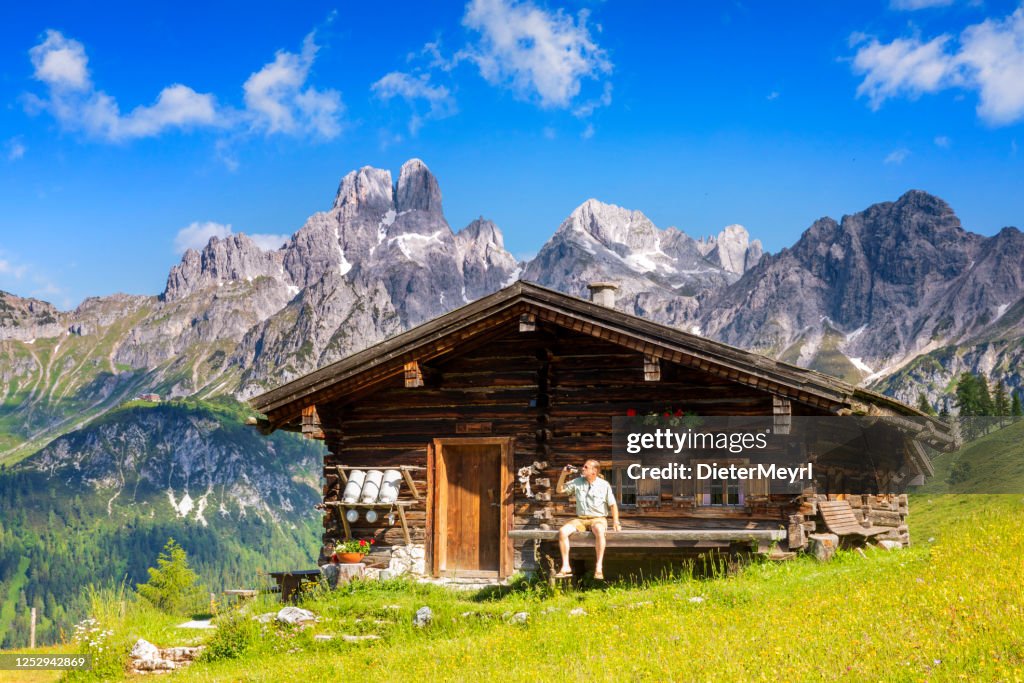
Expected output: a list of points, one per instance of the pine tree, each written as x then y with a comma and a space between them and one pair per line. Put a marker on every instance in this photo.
1001, 403
172, 586
967, 395
985, 403
923, 405
1015, 407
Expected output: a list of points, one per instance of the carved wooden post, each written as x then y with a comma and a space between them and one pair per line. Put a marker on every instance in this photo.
413, 375
652, 369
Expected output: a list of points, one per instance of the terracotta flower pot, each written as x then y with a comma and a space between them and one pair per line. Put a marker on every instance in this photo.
348, 558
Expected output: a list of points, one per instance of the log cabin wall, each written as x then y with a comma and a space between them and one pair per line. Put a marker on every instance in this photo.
555, 393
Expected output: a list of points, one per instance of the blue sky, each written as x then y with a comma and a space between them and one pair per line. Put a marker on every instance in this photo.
129, 130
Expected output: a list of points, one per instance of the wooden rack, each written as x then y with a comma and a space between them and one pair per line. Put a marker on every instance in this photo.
400, 505
404, 469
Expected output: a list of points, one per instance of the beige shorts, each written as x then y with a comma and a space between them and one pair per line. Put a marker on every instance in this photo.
584, 523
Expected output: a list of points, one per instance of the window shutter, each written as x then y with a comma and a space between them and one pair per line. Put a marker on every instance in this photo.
757, 487
648, 491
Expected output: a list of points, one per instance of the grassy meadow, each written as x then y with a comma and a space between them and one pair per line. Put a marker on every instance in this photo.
951, 608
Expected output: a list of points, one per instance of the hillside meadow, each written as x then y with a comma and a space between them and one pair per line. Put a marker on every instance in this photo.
949, 608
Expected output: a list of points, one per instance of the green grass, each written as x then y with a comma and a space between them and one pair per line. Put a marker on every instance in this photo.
996, 464
950, 608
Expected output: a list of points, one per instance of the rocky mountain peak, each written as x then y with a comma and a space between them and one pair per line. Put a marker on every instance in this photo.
611, 225
368, 188
732, 249
417, 189
235, 257
25, 318
486, 265
481, 229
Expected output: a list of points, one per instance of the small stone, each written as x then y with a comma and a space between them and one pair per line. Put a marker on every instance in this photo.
266, 617
891, 545
392, 607
424, 615
578, 612
323, 637
520, 617
823, 546
358, 639
295, 615
143, 649
696, 598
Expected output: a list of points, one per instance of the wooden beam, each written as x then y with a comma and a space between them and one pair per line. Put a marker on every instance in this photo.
652, 369
413, 375
311, 427
405, 525
782, 412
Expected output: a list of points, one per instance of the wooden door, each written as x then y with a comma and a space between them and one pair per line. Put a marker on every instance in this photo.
473, 501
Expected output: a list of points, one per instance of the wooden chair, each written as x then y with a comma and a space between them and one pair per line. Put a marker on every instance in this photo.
840, 520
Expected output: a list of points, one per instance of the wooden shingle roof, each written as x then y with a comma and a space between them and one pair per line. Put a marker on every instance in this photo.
442, 335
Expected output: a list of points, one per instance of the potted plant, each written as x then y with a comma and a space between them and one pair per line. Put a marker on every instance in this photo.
351, 551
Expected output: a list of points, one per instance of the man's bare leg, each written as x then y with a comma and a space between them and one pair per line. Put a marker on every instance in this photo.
563, 545
599, 530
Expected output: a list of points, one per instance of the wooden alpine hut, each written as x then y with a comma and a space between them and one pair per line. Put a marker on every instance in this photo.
471, 416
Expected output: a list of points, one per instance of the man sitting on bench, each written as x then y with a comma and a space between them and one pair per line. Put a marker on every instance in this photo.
594, 499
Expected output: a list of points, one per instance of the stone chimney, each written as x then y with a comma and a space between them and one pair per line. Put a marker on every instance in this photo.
603, 293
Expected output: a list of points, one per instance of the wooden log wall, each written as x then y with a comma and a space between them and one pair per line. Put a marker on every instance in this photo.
555, 393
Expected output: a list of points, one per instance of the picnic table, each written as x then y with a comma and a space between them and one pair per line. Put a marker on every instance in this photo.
290, 581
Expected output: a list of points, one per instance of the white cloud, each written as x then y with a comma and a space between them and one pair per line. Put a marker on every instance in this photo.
588, 132
410, 88
278, 100
539, 54
61, 62
897, 156
911, 5
993, 54
15, 149
27, 278
773, 95
197, 234
942, 141
988, 58
62, 65
14, 269
268, 242
906, 66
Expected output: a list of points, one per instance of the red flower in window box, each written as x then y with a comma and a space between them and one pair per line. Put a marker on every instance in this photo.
631, 412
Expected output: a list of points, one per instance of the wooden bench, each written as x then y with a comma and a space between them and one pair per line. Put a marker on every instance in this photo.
290, 582
841, 520
657, 538
698, 540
